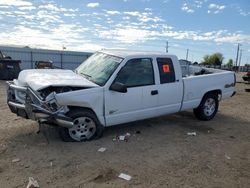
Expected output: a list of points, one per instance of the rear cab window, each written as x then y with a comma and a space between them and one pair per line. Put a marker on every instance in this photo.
166, 70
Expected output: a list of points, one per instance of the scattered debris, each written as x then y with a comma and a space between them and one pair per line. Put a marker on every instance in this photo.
191, 134
16, 160
51, 164
125, 176
102, 149
122, 137
233, 137
3, 148
137, 132
227, 157
32, 183
127, 134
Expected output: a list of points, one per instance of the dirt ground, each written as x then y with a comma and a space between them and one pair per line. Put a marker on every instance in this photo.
162, 155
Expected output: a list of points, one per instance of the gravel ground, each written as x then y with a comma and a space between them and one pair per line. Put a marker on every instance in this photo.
161, 155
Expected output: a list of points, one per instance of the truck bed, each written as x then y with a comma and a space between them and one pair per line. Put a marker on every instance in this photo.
198, 80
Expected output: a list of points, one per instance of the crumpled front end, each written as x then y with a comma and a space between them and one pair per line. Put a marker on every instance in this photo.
28, 104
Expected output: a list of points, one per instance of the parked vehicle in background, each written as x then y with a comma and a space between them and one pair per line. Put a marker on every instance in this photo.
9, 69
246, 77
44, 65
114, 87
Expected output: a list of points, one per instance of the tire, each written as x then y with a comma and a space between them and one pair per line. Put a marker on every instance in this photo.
208, 107
86, 127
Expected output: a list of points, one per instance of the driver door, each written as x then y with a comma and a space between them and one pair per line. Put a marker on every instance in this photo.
138, 102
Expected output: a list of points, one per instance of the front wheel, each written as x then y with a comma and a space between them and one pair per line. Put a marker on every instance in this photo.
208, 107
86, 127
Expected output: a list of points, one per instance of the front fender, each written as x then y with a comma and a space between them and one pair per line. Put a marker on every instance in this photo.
89, 98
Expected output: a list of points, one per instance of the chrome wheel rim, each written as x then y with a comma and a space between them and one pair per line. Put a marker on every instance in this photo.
209, 106
83, 128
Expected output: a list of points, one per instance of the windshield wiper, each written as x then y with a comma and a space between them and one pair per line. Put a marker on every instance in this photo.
86, 75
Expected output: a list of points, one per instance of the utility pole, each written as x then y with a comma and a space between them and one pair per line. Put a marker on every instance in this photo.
167, 47
240, 58
237, 55
187, 54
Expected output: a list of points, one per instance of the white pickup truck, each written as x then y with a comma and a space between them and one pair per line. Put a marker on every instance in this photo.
114, 87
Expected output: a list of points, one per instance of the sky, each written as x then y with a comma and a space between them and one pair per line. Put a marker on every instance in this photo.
201, 26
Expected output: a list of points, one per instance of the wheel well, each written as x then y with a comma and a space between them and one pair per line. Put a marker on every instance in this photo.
217, 92
81, 108
75, 108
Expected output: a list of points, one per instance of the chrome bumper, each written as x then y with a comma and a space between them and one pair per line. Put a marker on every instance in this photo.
34, 107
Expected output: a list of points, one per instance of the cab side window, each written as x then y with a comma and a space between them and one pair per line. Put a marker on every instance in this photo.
137, 72
166, 70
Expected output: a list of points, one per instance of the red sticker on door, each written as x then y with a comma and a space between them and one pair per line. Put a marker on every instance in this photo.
166, 68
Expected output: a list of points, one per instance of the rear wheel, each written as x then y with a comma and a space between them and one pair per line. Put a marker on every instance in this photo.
208, 107
86, 127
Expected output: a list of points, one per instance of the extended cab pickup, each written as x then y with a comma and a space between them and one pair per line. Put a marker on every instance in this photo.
114, 87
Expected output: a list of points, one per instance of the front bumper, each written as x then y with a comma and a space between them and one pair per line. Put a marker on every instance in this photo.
34, 107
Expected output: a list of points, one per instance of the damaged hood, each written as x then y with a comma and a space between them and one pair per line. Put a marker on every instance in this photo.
41, 78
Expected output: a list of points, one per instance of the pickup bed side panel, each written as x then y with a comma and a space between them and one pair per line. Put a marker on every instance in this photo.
88, 98
195, 87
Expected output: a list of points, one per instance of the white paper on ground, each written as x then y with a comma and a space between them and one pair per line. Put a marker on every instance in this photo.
125, 176
102, 149
122, 137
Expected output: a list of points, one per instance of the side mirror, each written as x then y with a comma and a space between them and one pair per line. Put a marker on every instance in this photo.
119, 87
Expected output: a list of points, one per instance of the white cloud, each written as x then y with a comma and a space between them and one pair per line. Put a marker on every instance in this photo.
214, 8
134, 13
126, 18
27, 8
15, 3
242, 12
112, 12
186, 8
69, 35
56, 8
4, 6
93, 5
48, 28
148, 9
50, 7
69, 15
234, 38
48, 17
126, 34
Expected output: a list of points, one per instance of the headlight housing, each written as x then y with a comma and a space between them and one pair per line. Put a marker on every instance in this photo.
20, 96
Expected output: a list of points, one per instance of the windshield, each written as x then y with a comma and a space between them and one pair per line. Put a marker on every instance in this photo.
99, 67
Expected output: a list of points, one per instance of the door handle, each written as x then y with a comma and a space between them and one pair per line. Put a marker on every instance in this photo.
154, 92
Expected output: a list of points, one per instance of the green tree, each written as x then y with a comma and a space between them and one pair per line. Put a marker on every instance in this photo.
214, 59
230, 63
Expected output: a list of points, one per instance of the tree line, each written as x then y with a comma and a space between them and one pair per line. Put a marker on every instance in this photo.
216, 59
